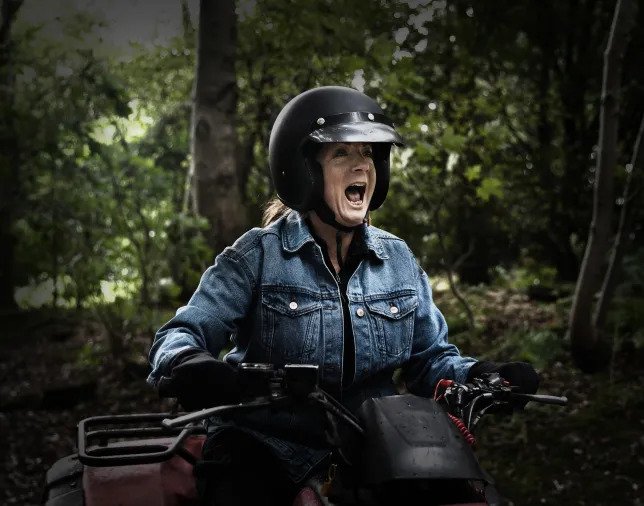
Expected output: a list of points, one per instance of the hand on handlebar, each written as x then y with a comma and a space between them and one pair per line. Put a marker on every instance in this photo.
199, 381
483, 394
518, 374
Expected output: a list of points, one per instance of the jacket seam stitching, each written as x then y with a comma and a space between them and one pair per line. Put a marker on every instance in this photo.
240, 259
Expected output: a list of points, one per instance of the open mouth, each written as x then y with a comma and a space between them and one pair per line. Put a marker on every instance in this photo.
355, 193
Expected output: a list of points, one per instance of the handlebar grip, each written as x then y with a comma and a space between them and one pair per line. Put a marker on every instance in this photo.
543, 399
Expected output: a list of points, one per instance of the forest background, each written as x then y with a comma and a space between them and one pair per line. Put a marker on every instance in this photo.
500, 104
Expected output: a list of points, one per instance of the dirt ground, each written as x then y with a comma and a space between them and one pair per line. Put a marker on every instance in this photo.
50, 378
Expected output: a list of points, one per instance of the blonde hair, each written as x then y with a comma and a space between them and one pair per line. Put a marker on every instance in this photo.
273, 211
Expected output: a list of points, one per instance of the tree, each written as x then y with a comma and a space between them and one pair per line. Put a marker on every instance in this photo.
588, 348
215, 179
9, 155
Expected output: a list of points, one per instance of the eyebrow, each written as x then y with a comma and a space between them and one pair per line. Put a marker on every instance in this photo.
328, 149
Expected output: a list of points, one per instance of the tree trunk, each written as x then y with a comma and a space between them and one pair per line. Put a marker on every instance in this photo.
9, 156
631, 193
215, 181
188, 28
588, 349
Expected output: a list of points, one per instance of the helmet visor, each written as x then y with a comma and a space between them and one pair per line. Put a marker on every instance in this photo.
355, 127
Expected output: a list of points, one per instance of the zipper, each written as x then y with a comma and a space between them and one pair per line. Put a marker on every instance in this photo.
355, 348
336, 278
344, 302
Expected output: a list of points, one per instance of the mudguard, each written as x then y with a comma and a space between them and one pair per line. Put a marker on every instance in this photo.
412, 438
63, 483
168, 483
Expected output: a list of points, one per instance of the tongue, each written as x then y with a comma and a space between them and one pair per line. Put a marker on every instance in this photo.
353, 195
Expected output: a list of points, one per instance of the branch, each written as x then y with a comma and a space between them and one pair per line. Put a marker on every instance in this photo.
451, 268
584, 336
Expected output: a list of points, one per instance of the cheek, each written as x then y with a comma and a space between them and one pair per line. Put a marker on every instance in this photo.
372, 181
329, 195
332, 185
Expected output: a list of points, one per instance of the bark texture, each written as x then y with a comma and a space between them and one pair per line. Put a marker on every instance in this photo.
215, 187
588, 349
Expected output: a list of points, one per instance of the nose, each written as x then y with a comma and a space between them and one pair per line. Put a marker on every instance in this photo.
361, 162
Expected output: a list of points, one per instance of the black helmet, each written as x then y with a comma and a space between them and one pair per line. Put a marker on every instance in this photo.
326, 114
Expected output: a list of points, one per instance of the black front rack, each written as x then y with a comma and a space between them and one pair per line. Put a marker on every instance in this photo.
119, 440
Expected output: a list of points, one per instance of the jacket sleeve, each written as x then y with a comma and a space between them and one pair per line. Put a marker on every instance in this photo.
222, 300
432, 356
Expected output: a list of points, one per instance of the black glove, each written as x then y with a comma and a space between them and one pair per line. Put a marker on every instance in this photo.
200, 381
518, 374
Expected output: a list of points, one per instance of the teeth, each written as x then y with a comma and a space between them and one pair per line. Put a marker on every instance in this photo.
355, 193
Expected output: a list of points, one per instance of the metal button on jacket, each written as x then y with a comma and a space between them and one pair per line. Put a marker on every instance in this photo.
393, 309
360, 312
293, 305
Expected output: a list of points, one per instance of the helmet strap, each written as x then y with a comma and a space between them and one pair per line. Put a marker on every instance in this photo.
338, 249
327, 216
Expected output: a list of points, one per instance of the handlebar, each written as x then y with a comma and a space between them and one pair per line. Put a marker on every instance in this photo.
487, 393
268, 386
542, 399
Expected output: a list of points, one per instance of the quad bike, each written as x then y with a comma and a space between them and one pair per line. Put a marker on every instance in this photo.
403, 448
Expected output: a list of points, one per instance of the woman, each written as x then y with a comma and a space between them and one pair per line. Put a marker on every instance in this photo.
318, 285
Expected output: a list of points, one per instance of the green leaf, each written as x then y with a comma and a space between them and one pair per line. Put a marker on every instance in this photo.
451, 141
490, 187
473, 173
424, 151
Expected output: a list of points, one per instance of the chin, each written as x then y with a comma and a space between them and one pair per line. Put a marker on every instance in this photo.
353, 220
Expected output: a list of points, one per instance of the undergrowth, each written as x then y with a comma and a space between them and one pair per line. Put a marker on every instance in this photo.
587, 453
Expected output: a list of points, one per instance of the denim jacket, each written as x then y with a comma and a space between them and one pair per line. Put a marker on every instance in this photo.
272, 295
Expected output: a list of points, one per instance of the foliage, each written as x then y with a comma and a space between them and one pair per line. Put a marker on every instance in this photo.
103, 173
625, 321
123, 321
526, 274
496, 102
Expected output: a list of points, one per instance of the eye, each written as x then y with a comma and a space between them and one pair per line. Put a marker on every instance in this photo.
338, 152
367, 151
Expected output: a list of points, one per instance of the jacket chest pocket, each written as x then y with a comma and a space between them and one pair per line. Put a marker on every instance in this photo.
392, 319
291, 320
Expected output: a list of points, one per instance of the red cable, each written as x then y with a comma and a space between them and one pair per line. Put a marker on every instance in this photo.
442, 383
460, 425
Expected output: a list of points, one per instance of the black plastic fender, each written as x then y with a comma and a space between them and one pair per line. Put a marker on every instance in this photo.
410, 437
64, 483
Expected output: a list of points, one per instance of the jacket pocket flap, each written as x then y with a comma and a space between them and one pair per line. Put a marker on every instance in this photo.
393, 307
290, 302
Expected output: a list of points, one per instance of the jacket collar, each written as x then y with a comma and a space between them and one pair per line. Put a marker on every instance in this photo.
296, 234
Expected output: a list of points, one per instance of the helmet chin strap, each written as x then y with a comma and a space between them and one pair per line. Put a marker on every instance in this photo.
327, 216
